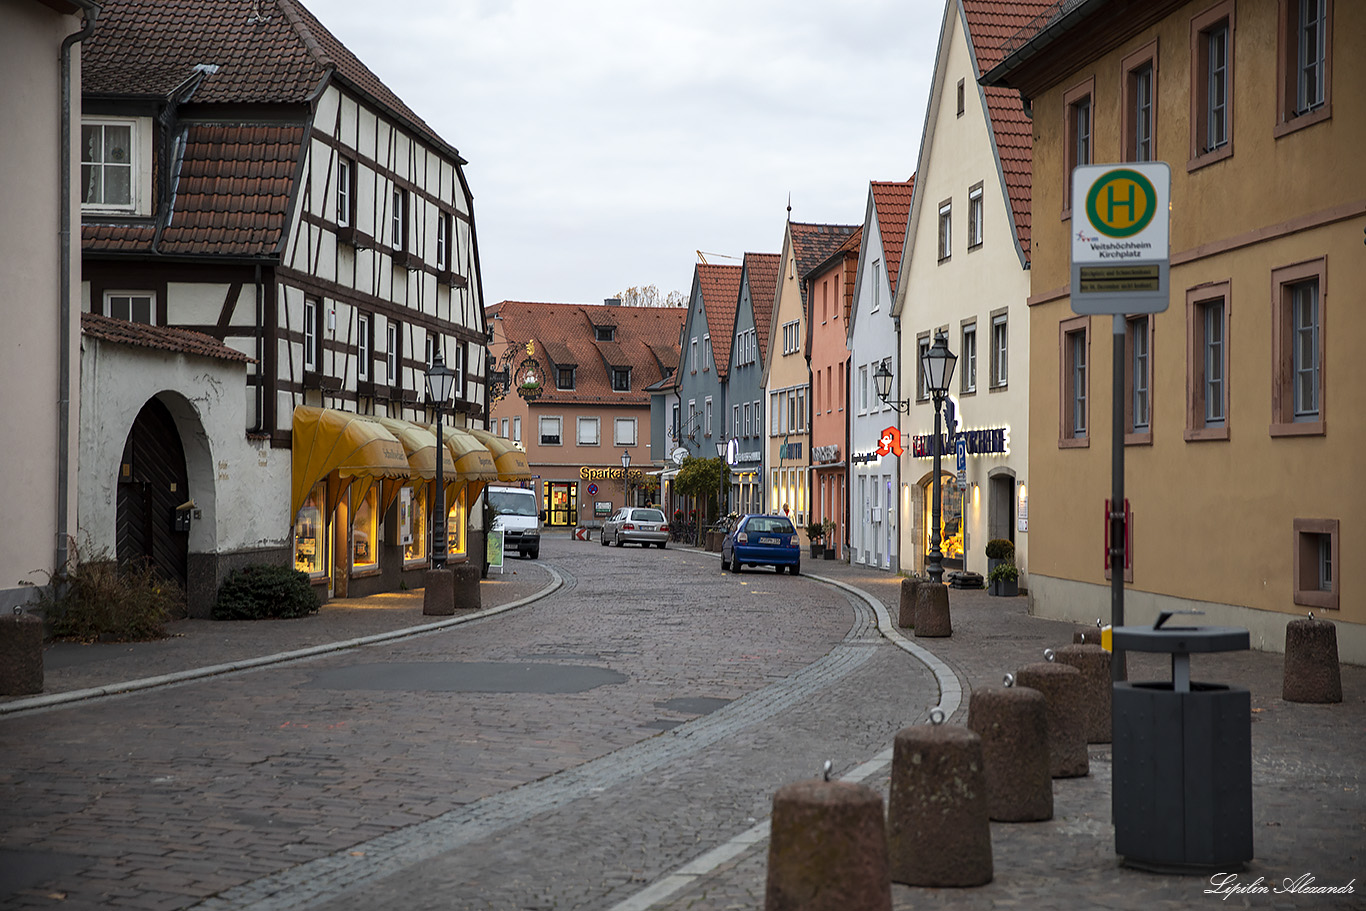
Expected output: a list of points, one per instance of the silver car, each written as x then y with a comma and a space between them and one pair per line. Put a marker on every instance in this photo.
636, 525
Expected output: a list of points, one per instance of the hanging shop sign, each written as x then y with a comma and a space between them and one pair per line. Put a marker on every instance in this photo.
989, 441
823, 455
528, 378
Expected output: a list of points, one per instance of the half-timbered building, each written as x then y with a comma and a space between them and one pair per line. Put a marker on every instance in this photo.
246, 177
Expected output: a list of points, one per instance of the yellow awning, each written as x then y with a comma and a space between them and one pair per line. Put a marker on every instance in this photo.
353, 446
511, 461
473, 462
419, 445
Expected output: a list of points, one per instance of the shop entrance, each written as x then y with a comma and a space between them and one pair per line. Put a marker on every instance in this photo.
153, 481
1001, 507
950, 521
561, 503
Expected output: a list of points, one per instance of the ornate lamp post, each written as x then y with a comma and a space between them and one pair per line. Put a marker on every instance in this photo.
938, 363
625, 467
440, 383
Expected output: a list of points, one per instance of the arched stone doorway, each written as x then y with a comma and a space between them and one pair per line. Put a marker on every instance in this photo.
153, 481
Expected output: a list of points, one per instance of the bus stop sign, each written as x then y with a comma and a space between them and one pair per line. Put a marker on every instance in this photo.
1120, 237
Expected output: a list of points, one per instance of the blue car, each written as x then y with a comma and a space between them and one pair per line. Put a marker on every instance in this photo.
762, 540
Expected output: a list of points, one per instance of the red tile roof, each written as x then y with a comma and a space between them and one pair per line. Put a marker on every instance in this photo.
991, 26
646, 341
284, 54
812, 244
761, 269
720, 287
892, 202
232, 192
164, 338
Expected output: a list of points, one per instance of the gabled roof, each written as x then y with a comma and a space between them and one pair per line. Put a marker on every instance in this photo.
265, 51
161, 338
761, 271
233, 184
720, 289
892, 202
812, 244
645, 336
991, 24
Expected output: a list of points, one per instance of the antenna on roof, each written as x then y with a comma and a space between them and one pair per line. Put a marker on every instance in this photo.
789, 205
702, 257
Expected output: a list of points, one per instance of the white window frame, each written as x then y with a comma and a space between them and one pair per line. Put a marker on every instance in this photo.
621, 373
877, 285
624, 431
706, 353
945, 229
391, 353
112, 305
139, 178
706, 416
345, 170
734, 421
1000, 351
443, 222
544, 423
748, 419
975, 217
692, 356
311, 334
969, 357
589, 432
863, 389
517, 429
398, 218
363, 346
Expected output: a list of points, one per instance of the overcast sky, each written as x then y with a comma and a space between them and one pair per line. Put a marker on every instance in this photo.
609, 140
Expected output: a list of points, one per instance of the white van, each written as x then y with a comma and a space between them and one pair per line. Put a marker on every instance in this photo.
516, 516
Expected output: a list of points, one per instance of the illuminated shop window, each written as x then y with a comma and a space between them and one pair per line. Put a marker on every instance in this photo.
455, 525
309, 532
364, 540
412, 523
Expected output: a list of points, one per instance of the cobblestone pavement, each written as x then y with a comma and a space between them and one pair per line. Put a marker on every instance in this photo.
332, 783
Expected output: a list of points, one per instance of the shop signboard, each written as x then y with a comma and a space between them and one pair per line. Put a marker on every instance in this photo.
1120, 241
495, 550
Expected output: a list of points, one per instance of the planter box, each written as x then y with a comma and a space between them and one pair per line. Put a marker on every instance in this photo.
830, 553
1005, 588
817, 550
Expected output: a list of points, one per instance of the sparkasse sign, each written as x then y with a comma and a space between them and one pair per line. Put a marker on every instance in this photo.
1120, 237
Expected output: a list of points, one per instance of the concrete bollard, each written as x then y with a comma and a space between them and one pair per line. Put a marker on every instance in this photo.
464, 586
21, 655
906, 615
1062, 690
1086, 637
1312, 672
438, 592
828, 849
1013, 724
932, 610
938, 833
1097, 688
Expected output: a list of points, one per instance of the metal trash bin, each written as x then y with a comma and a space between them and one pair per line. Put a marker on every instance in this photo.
1182, 790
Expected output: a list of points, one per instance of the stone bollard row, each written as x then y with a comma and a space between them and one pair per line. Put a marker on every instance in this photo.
938, 832
1096, 685
1062, 690
1312, 672
932, 610
1013, 724
827, 849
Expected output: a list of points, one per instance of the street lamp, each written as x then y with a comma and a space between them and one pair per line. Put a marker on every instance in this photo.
938, 363
625, 467
440, 383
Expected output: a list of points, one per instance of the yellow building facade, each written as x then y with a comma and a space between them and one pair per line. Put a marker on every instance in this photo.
1244, 423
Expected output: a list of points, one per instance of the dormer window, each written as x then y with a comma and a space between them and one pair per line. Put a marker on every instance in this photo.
564, 378
621, 379
113, 176
605, 333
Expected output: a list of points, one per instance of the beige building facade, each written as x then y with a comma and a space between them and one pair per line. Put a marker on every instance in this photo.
1243, 419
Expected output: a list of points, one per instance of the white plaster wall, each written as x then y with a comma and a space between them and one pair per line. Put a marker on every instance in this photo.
970, 283
872, 338
240, 487
30, 37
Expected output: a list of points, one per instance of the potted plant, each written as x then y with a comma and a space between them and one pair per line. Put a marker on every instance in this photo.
999, 550
829, 527
1004, 580
816, 532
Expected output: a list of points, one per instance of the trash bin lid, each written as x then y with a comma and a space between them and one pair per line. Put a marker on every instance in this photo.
1185, 639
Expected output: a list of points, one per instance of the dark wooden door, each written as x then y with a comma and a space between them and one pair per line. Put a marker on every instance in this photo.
153, 481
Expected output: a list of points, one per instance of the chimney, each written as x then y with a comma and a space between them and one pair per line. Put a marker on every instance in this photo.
612, 301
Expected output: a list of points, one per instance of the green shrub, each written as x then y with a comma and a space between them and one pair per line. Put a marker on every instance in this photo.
95, 600
263, 591
1004, 571
1000, 549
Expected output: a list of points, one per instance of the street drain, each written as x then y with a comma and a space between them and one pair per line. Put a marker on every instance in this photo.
693, 705
467, 677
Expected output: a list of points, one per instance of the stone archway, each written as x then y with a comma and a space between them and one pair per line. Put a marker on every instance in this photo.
153, 482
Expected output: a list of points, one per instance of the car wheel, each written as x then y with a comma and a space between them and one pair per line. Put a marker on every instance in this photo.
795, 568
724, 565
617, 540
663, 544
734, 563
535, 554
602, 538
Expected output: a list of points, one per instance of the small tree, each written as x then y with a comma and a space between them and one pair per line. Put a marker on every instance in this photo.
702, 479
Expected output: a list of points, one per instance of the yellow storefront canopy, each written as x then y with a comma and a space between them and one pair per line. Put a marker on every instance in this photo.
419, 444
473, 462
511, 461
352, 446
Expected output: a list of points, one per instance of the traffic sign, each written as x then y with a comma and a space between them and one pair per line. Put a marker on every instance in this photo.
960, 446
1121, 240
